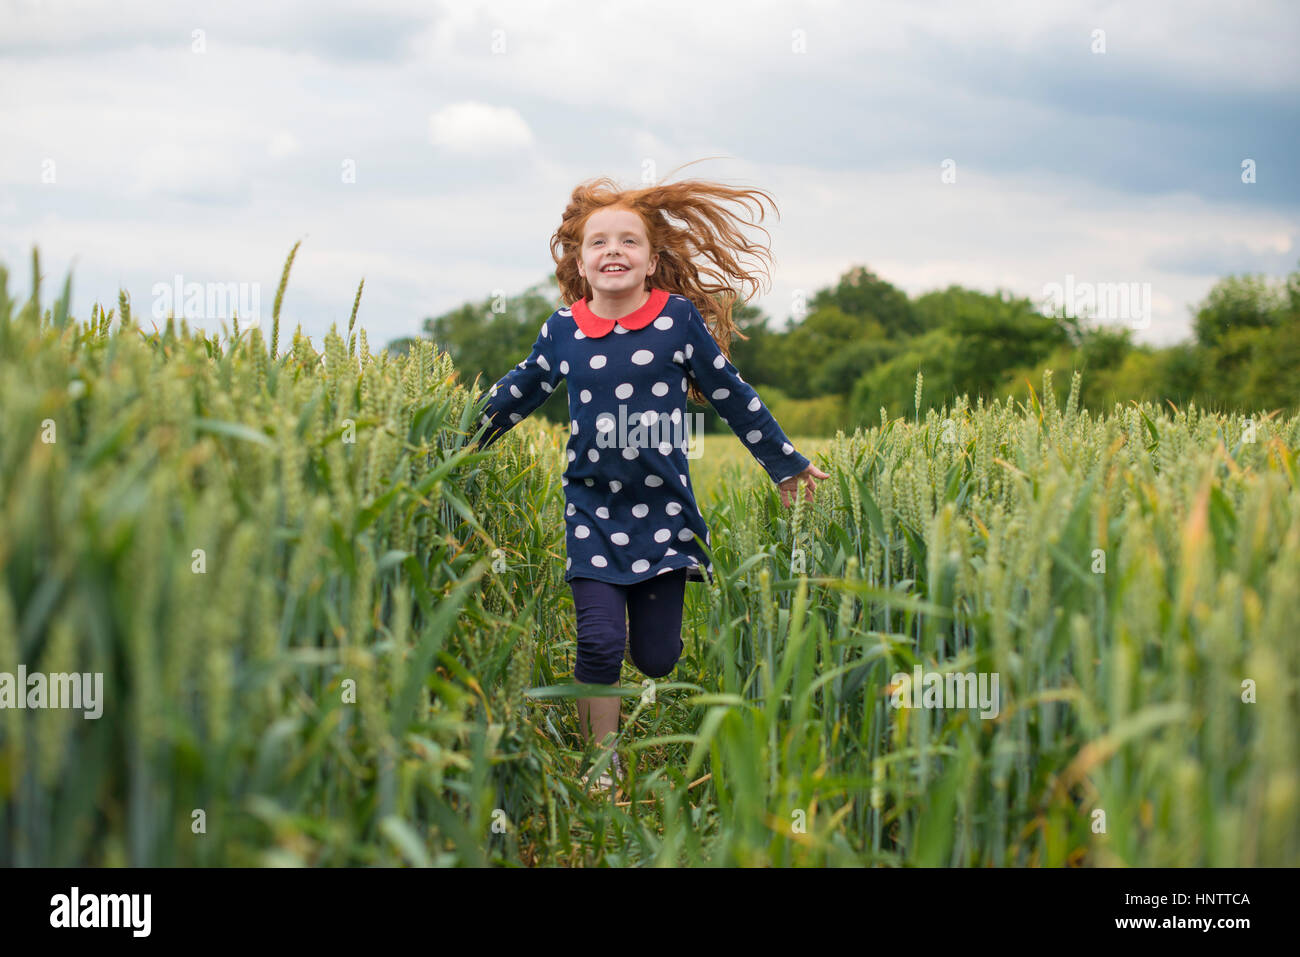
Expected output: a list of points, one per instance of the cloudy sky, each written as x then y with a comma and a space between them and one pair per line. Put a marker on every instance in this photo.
430, 147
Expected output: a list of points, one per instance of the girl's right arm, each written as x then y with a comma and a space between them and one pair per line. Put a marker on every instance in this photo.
522, 389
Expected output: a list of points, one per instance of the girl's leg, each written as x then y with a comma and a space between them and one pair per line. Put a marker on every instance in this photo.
601, 611
654, 609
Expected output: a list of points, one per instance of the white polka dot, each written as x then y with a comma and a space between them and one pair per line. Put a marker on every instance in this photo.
624, 390
493, 393
671, 551
665, 448
686, 534
719, 361
545, 330
572, 455
588, 482
719, 394
605, 423
568, 563
546, 387
640, 565
683, 478
630, 453
663, 570
563, 480
649, 417
683, 383
672, 508
753, 436
570, 510
654, 481
599, 561
787, 448
597, 362
663, 535
678, 357
643, 357
659, 388
582, 531
619, 538
541, 361
573, 425
593, 455
615, 485
620, 329
585, 395
664, 322
640, 511
690, 350
579, 334
514, 390
564, 367
676, 416
602, 512
754, 404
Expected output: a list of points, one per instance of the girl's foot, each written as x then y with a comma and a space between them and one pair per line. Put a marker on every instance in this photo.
606, 782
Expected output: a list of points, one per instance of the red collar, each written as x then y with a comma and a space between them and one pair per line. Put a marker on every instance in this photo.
595, 327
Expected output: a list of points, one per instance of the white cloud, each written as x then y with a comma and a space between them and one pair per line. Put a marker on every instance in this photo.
282, 144
471, 124
478, 128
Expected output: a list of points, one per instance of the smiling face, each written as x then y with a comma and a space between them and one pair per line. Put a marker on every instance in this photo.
615, 235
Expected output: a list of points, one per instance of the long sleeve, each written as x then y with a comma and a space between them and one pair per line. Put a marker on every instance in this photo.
525, 387
738, 404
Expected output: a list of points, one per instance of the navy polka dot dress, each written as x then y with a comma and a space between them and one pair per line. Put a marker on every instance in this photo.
630, 511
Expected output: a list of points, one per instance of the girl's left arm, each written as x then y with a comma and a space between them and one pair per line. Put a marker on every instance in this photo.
738, 404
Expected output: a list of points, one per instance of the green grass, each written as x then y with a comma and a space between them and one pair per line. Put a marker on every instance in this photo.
375, 664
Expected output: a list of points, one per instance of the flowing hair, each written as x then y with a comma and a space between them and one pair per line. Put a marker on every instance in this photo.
708, 233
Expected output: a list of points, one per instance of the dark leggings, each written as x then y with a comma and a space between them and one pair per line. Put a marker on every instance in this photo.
654, 608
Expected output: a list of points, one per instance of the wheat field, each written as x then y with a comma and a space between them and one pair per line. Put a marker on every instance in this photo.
331, 634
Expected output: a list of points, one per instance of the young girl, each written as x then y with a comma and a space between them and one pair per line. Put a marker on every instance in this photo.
633, 345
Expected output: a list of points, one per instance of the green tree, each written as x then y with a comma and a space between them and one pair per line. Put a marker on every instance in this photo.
821, 337
968, 351
860, 292
1237, 302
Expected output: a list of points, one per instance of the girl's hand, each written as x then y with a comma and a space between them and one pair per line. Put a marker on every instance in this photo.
790, 487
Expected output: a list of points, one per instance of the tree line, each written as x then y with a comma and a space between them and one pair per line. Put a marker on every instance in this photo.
861, 343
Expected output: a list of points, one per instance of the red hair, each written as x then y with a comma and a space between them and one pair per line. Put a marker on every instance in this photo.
708, 232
